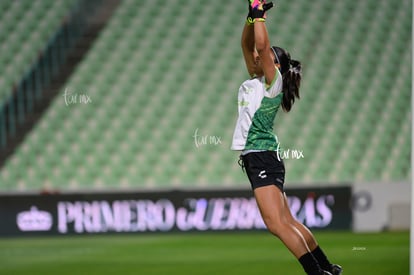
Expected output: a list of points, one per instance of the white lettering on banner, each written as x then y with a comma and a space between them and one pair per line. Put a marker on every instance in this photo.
195, 214
312, 213
116, 218
194, 217
219, 214
121, 216
153, 216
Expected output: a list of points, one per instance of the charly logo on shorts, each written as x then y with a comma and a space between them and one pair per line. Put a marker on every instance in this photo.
262, 174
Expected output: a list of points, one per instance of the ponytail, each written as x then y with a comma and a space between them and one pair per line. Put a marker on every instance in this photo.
291, 84
291, 71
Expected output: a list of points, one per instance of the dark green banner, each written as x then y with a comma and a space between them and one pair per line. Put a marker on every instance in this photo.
172, 211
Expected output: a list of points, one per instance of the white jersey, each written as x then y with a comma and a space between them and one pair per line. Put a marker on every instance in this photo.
257, 106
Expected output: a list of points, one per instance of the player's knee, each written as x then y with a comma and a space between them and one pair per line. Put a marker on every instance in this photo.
275, 226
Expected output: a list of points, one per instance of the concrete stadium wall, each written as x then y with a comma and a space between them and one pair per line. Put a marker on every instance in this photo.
381, 206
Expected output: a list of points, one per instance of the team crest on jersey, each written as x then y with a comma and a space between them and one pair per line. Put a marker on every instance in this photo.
243, 103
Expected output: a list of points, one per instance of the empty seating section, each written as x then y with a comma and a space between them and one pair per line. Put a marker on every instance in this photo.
26, 27
162, 83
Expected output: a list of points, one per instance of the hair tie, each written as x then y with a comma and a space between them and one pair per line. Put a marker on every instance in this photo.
295, 70
294, 67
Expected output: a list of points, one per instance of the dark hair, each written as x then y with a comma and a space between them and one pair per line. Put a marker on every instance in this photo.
291, 71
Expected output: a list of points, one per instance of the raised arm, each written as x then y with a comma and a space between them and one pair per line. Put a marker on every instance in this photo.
255, 42
262, 43
248, 47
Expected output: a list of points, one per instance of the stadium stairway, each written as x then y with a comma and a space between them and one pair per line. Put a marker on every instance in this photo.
94, 23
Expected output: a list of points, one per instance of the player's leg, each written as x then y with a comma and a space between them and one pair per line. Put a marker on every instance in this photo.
272, 204
311, 242
308, 236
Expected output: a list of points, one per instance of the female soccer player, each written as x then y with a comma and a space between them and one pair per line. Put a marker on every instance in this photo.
275, 81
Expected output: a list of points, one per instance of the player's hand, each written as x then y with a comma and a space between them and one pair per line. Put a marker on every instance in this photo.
257, 10
260, 5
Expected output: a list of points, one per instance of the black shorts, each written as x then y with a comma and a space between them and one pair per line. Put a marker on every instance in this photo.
264, 168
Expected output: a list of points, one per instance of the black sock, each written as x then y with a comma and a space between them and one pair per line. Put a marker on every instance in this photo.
321, 258
310, 264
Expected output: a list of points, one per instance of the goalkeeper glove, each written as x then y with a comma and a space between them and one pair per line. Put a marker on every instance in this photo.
257, 10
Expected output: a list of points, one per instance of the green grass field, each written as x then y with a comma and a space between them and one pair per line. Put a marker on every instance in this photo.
229, 253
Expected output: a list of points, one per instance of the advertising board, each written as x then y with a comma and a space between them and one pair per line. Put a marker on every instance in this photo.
169, 211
